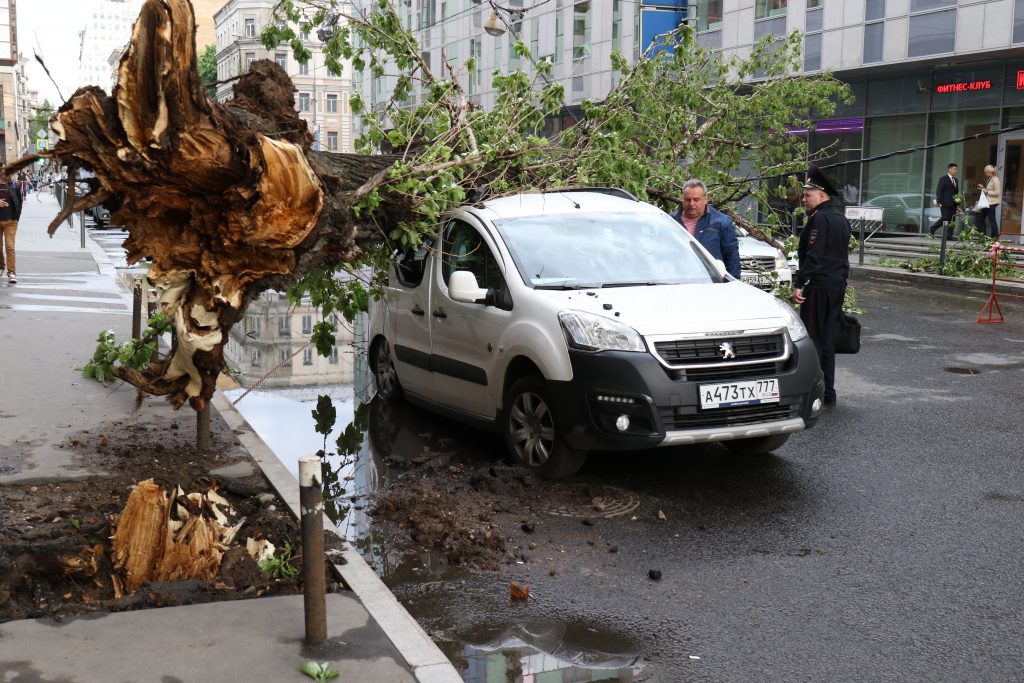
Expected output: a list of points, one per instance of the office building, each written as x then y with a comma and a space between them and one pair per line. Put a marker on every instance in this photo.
922, 71
321, 98
108, 28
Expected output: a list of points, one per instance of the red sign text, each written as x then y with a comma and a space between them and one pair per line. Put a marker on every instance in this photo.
967, 86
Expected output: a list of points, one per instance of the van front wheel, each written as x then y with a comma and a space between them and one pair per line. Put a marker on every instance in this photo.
532, 433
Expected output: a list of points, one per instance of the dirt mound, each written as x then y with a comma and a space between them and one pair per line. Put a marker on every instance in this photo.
55, 553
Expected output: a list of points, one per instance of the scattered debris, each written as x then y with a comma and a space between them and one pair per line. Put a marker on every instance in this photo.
520, 591
655, 574
662, 516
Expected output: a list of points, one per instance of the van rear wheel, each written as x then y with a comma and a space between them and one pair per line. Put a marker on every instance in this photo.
532, 433
385, 377
758, 445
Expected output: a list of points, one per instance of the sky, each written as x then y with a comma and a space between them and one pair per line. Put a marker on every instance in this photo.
50, 28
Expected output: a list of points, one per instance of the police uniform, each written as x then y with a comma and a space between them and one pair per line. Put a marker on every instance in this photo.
824, 266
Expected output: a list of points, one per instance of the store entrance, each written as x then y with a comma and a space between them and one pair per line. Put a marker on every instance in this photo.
1011, 166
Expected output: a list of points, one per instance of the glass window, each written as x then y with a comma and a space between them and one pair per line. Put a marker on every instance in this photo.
840, 140
774, 26
968, 88
286, 358
250, 57
899, 95
282, 60
411, 265
1014, 90
332, 142
256, 357
333, 358
307, 324
581, 30
712, 40
303, 101
874, 34
932, 34
971, 155
250, 28
897, 180
303, 68
332, 104
812, 52
709, 14
769, 8
559, 38
875, 9
307, 356
590, 249
1018, 22
813, 21
616, 25
814, 3
283, 326
925, 5
465, 249
535, 39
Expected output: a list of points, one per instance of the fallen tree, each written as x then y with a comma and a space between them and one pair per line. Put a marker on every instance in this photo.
228, 200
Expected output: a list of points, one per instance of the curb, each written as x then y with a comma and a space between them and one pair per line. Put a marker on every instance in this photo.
961, 284
422, 655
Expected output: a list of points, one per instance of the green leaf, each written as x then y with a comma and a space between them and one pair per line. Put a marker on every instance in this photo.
325, 415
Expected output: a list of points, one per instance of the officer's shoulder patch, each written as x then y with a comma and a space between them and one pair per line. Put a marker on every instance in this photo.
813, 236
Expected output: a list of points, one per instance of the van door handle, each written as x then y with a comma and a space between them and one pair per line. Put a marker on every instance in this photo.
416, 310
439, 313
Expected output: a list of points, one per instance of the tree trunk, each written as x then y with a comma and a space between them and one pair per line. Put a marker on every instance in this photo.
224, 200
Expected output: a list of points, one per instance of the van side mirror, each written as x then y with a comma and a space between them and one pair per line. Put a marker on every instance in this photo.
463, 287
720, 264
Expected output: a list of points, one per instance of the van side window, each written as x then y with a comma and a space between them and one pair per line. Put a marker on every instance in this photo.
411, 265
465, 249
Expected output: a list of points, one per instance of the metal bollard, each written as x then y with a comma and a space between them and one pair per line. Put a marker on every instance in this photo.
314, 585
136, 308
203, 428
81, 222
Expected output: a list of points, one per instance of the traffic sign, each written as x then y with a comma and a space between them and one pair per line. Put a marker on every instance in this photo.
42, 133
42, 144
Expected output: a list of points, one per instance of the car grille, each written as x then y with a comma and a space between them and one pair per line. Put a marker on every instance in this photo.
708, 350
728, 372
758, 263
691, 417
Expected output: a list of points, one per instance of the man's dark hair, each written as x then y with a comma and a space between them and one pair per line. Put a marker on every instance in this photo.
952, 166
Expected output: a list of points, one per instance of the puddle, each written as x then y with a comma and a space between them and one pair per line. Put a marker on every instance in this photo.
540, 652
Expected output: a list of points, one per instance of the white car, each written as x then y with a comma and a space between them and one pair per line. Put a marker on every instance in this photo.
571, 321
761, 264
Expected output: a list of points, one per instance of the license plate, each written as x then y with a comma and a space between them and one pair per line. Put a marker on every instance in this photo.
758, 280
739, 393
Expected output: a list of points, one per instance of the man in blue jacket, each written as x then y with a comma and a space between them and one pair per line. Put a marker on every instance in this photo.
712, 228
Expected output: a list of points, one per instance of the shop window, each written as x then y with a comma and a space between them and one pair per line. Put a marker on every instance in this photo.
874, 35
971, 155
769, 8
896, 184
932, 34
899, 95
874, 10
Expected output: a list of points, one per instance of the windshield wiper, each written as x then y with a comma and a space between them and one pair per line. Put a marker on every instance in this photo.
632, 284
566, 285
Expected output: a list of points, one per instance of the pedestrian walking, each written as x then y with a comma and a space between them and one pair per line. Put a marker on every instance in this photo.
992, 191
712, 228
10, 213
945, 196
820, 284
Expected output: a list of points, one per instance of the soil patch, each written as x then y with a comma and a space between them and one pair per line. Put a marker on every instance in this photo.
55, 558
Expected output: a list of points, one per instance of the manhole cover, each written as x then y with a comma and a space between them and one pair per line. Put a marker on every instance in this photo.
963, 371
588, 500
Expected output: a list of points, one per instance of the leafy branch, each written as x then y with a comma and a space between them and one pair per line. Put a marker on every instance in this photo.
134, 354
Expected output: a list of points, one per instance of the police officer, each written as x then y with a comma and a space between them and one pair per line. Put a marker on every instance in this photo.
820, 284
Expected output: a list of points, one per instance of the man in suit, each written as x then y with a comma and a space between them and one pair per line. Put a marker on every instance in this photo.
945, 197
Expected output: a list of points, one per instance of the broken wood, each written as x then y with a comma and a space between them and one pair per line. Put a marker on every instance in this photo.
226, 201
159, 539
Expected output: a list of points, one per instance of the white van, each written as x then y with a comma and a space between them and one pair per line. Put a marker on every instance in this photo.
584, 320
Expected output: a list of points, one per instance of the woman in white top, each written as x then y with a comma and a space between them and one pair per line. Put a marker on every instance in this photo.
993, 190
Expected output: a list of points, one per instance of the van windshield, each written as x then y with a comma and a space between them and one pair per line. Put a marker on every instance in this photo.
582, 251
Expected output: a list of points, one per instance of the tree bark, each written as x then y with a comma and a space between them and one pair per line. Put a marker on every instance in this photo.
224, 200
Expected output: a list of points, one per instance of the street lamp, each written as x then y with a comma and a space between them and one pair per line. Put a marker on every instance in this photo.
493, 25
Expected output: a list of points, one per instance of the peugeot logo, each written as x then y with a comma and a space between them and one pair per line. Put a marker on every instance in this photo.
727, 351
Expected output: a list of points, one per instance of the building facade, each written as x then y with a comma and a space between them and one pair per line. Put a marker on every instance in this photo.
108, 29
923, 72
9, 83
206, 27
321, 98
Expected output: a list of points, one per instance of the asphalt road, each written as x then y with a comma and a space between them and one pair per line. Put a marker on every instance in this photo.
885, 544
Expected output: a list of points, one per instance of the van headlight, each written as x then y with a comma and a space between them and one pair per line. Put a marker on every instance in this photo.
588, 332
780, 261
794, 324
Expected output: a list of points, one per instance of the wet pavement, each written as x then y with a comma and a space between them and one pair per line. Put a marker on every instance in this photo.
883, 544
